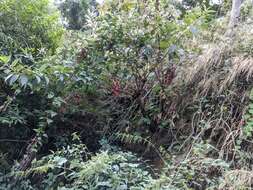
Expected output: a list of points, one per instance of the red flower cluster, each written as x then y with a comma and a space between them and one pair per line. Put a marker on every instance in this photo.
115, 87
169, 76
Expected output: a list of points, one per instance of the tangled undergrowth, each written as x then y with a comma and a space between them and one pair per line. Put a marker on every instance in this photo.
147, 96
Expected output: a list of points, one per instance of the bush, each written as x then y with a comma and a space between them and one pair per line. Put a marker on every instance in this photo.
73, 167
131, 50
29, 27
30, 33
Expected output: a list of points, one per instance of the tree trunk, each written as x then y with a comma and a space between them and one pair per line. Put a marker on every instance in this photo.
157, 5
235, 13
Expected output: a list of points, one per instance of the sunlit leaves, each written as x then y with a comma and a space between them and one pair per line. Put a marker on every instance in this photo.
4, 59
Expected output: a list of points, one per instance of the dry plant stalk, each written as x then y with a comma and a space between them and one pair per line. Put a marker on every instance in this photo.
237, 179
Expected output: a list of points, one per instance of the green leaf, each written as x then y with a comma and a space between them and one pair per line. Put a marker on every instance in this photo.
5, 59
47, 80
8, 77
247, 116
251, 95
60, 160
128, 5
23, 80
38, 79
250, 123
50, 95
13, 79
164, 44
49, 121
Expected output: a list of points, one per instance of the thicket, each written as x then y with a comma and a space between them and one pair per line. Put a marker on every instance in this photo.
147, 95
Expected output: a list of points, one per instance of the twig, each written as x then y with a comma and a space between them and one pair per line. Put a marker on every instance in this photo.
13, 140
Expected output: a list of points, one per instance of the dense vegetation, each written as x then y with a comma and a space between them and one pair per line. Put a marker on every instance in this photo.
126, 94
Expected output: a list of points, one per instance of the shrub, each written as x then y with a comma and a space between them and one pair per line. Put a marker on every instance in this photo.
72, 167
28, 27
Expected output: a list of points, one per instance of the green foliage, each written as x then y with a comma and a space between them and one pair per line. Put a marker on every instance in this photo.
246, 10
39, 80
121, 40
248, 118
131, 51
74, 12
30, 33
194, 171
124, 66
29, 28
73, 167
